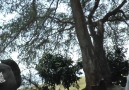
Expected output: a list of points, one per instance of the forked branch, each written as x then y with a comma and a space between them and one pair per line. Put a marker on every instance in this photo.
114, 12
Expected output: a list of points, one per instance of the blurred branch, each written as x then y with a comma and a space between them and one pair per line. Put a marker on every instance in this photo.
32, 82
62, 21
114, 12
94, 9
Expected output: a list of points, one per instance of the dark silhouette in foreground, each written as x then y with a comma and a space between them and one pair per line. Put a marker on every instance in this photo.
10, 74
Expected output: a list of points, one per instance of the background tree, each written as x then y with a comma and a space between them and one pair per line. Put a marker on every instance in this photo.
41, 26
118, 65
116, 52
55, 69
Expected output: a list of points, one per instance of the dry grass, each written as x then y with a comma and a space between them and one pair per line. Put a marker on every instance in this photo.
81, 84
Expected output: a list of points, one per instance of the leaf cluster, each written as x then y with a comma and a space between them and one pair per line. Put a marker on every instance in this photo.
118, 65
56, 69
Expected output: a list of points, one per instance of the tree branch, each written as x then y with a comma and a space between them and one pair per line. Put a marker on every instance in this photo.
34, 8
91, 23
114, 12
94, 9
84, 3
32, 82
124, 17
62, 21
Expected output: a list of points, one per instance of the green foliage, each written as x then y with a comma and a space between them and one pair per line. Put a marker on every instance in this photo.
56, 69
118, 65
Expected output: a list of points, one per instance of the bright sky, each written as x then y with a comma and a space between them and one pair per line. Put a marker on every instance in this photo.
8, 17
14, 56
5, 19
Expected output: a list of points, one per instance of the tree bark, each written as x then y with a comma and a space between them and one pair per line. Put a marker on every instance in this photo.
94, 62
100, 54
85, 44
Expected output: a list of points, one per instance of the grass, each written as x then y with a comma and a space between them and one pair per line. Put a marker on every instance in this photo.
81, 84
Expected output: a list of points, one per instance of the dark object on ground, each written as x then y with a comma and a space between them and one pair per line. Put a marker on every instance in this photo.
102, 85
45, 88
11, 74
94, 87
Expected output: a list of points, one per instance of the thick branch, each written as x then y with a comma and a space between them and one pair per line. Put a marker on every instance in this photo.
91, 24
124, 18
114, 12
62, 21
94, 9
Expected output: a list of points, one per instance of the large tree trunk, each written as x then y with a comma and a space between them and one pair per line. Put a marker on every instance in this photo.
100, 53
94, 62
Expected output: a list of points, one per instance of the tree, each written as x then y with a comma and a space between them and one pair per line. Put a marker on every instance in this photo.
40, 27
92, 48
55, 69
118, 65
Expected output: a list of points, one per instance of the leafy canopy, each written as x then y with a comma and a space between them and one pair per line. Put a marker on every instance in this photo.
118, 65
56, 69
40, 26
